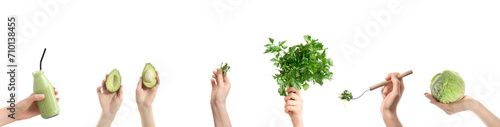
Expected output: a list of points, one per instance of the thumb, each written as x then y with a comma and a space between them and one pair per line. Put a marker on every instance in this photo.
35, 97
395, 83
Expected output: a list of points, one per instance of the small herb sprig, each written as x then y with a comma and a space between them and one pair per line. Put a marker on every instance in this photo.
300, 64
224, 67
345, 96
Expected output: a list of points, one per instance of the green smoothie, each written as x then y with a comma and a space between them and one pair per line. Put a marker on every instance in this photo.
48, 107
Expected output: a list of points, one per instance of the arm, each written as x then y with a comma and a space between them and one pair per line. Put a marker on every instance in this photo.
391, 93
293, 107
25, 109
106, 119
220, 90
468, 103
144, 97
4, 120
110, 104
488, 118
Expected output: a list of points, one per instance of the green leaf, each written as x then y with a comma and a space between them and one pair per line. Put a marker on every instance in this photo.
282, 42
306, 86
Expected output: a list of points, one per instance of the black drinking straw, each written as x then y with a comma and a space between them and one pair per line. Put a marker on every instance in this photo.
42, 58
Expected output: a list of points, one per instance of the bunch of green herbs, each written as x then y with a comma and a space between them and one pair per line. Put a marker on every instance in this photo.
299, 64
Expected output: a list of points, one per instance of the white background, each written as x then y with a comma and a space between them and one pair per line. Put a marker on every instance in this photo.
186, 40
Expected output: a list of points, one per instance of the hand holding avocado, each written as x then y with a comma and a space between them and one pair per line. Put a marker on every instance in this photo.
145, 94
146, 87
110, 95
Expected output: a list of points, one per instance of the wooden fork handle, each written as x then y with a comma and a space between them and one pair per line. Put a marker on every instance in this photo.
389, 81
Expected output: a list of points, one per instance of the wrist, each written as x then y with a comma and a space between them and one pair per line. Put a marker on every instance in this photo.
388, 115
474, 106
298, 122
391, 119
145, 109
106, 119
6, 120
219, 103
108, 115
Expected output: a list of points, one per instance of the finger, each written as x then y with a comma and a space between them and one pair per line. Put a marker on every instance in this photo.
291, 96
388, 77
287, 110
432, 99
382, 91
291, 103
213, 83
35, 97
139, 84
99, 90
226, 79
401, 85
120, 92
103, 85
395, 84
387, 90
292, 89
57, 98
157, 78
215, 76
290, 109
55, 92
219, 78
107, 75
54, 88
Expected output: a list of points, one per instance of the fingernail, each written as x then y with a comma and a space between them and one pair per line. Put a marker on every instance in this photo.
41, 96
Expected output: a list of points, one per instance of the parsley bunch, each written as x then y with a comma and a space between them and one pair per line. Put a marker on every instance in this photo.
300, 64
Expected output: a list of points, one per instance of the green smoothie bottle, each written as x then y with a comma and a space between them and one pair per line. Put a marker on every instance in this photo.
48, 107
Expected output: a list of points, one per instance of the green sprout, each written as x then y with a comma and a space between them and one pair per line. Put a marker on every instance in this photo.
224, 67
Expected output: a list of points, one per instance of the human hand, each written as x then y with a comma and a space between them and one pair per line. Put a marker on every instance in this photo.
466, 103
392, 93
220, 90
25, 109
145, 96
110, 103
220, 87
28, 107
293, 106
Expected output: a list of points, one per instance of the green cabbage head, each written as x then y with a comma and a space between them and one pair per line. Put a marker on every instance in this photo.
447, 87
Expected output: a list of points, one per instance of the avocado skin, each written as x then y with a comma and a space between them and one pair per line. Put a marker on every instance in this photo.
109, 83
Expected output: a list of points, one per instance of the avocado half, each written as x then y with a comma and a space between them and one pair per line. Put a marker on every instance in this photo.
149, 76
113, 81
